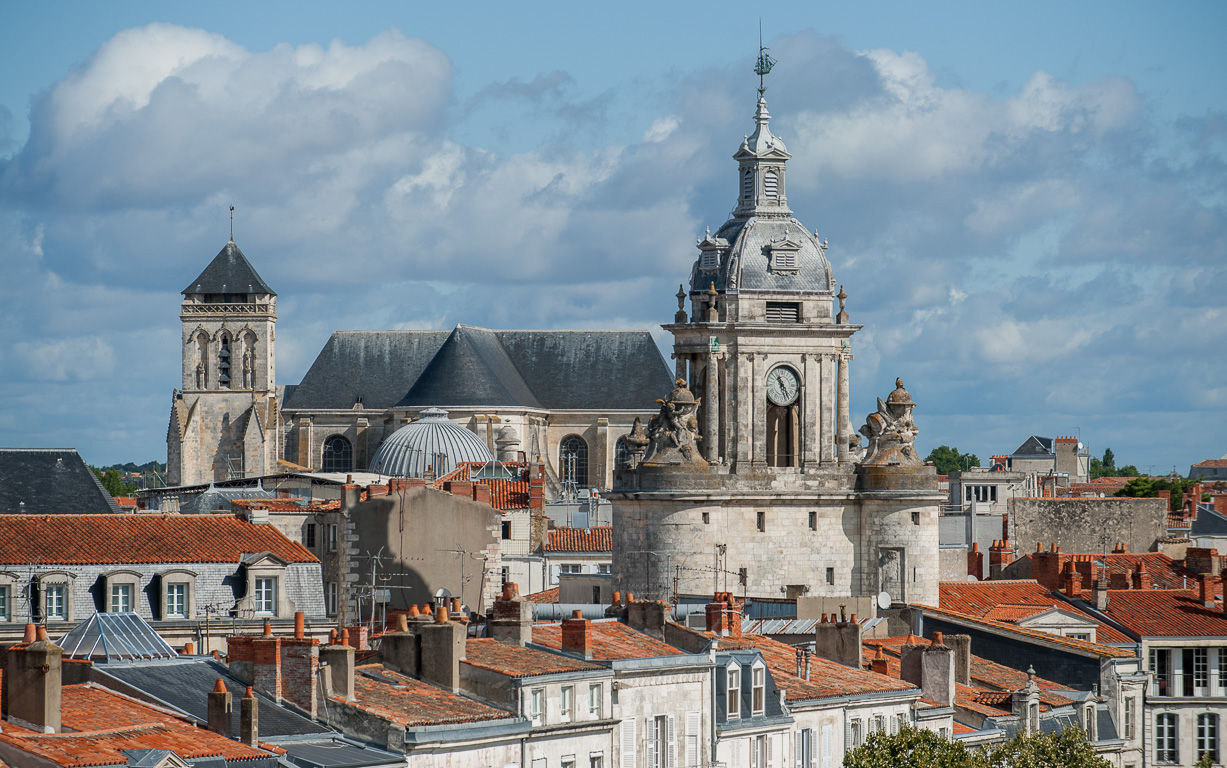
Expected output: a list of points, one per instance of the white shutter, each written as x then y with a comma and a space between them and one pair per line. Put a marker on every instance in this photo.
754, 754
650, 741
672, 744
628, 743
813, 749
828, 736
770, 740
693, 726
797, 740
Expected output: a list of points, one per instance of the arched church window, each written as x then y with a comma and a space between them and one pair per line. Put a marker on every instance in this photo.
338, 455
621, 454
573, 461
771, 184
223, 363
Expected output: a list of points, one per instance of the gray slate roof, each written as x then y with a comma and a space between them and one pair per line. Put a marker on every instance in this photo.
229, 272
1208, 522
1035, 446
470, 366
745, 265
51, 481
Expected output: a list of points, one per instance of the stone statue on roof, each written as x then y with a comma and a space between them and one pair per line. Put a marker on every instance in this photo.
673, 434
890, 432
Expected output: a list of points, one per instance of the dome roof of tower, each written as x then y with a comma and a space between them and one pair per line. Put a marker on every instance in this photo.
431, 441
764, 254
229, 272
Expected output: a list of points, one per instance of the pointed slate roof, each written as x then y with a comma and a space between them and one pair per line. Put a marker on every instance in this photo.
229, 272
378, 366
471, 367
1035, 446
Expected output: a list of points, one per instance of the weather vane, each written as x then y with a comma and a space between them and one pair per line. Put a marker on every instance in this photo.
764, 63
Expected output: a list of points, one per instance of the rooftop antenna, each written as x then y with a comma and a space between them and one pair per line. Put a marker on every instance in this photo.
232, 222
764, 63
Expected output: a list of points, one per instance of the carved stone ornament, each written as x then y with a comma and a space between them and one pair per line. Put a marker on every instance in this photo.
673, 434
636, 445
891, 432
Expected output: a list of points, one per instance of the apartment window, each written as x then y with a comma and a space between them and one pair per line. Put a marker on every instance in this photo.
830, 575
813, 521
568, 761
1207, 736
330, 599
980, 493
121, 598
1079, 636
308, 538
266, 595
898, 723
1201, 668
1165, 738
534, 706
567, 703
55, 602
332, 538
1161, 668
879, 724
855, 735
707, 518
1186, 672
1222, 669
4, 603
176, 601
603, 568
596, 761
506, 572
734, 692
758, 756
1088, 721
1131, 717
506, 530
660, 746
759, 693
761, 520
595, 695
805, 748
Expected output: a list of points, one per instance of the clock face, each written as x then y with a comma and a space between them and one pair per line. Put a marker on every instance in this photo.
782, 386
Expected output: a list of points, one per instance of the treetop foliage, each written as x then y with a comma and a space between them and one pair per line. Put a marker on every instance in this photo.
948, 460
920, 748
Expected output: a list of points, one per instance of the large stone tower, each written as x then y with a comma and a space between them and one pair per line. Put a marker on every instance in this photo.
224, 422
750, 477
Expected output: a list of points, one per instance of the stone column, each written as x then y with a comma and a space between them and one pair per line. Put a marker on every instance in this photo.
811, 421
679, 367
758, 412
745, 408
843, 423
711, 406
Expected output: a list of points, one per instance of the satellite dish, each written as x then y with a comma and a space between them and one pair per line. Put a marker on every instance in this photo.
884, 600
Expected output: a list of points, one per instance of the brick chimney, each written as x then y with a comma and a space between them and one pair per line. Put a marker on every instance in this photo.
1046, 568
1073, 581
724, 615
35, 686
1202, 560
577, 635
481, 493
1205, 584
1000, 555
975, 562
839, 641
442, 648
878, 663
249, 719
536, 487
1118, 580
648, 617
511, 617
300, 663
220, 709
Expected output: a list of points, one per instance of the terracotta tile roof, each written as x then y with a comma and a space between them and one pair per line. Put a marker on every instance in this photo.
1105, 651
610, 640
545, 596
960, 728
596, 539
412, 702
827, 678
995, 600
504, 494
1212, 463
287, 505
105, 723
1165, 613
515, 661
90, 539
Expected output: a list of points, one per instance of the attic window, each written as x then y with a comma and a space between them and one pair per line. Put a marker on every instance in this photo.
783, 312
771, 184
710, 261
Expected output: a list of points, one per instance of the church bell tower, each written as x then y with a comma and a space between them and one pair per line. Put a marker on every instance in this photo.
224, 419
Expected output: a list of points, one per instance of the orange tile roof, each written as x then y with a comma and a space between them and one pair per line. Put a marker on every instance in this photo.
989, 600
516, 661
504, 494
90, 539
596, 539
412, 702
104, 723
287, 505
1212, 463
610, 640
1085, 646
1165, 613
826, 679
544, 596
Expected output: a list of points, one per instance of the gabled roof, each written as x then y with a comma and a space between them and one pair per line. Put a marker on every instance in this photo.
597, 539
471, 368
505, 494
544, 596
1011, 600
412, 702
124, 539
1165, 613
229, 272
827, 678
610, 640
1033, 635
50, 481
517, 661
1034, 446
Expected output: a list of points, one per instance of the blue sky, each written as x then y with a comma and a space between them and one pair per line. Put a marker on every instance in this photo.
1025, 202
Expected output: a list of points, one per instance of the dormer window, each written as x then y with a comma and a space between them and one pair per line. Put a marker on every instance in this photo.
733, 692
782, 257
759, 694
709, 261
771, 184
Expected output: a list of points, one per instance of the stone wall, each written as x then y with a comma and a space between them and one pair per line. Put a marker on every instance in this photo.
1081, 525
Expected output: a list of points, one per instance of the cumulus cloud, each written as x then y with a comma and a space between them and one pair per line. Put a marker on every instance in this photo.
1023, 260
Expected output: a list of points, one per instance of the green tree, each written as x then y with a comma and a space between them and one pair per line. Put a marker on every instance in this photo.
910, 748
113, 481
1109, 459
1144, 487
948, 460
1063, 749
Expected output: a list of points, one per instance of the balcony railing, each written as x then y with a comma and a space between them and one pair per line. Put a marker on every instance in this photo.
257, 308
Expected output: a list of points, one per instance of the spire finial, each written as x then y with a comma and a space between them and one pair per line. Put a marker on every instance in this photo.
764, 63
232, 223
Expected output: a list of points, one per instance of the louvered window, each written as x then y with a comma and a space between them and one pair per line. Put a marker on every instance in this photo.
771, 184
783, 312
747, 184
709, 261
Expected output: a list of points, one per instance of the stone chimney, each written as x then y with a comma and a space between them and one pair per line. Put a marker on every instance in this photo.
975, 562
577, 635
962, 657
724, 615
839, 641
402, 649
249, 719
648, 617
803, 665
511, 617
338, 663
931, 668
220, 709
1099, 593
35, 685
351, 495
442, 647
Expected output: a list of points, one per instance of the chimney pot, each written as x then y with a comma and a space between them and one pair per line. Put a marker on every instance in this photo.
268, 628
630, 597
937, 638
402, 623
42, 633
413, 611
220, 686
344, 636
441, 615
189, 649
617, 598
31, 634
332, 637
300, 625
